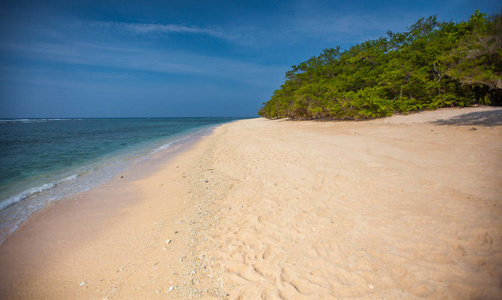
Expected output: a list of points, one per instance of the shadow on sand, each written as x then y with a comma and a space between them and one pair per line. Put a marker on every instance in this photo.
482, 118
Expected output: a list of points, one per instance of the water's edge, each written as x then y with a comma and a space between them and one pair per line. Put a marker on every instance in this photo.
20, 207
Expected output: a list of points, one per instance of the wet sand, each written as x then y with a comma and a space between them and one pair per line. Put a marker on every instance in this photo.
402, 207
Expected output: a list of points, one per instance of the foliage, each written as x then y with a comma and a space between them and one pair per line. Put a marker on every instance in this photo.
434, 64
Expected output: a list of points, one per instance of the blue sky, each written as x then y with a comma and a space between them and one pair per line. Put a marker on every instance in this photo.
179, 58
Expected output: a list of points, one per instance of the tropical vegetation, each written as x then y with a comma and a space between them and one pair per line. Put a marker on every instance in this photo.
433, 64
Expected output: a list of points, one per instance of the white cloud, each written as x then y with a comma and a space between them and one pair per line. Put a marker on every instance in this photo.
321, 24
146, 59
160, 29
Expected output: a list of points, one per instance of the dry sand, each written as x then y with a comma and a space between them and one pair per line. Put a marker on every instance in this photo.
403, 207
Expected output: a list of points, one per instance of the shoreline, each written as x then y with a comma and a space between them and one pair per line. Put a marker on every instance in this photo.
69, 182
47, 255
396, 207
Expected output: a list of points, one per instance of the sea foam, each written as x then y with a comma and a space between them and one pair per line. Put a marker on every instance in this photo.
50, 160
34, 190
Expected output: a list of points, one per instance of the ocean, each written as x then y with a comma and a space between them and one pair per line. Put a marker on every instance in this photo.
44, 160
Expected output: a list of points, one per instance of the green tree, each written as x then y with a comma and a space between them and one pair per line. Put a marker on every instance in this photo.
433, 64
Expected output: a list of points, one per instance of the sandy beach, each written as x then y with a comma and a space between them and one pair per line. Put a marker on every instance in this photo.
402, 207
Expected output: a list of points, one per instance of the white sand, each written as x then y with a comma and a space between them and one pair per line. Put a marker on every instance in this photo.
368, 209
392, 208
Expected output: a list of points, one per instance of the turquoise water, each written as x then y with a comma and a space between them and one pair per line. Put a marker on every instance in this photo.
42, 160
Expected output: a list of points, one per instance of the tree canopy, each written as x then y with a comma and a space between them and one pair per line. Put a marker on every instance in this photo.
433, 64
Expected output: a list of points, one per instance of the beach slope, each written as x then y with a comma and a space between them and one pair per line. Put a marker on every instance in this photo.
407, 206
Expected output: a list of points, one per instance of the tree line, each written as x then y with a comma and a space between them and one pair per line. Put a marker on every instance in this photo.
433, 64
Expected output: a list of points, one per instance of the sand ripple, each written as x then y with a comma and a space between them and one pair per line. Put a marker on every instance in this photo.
358, 210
